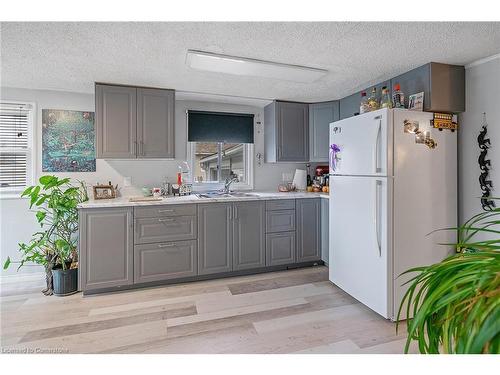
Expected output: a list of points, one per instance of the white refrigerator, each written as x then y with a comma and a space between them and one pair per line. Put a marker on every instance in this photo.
387, 194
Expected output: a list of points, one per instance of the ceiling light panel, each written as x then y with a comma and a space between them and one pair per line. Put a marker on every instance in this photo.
241, 66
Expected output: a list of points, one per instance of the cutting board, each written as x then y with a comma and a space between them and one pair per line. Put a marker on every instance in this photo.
144, 199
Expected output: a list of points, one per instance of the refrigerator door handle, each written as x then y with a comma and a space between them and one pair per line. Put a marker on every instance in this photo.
376, 161
376, 220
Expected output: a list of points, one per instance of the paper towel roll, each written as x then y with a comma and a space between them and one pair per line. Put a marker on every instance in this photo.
300, 179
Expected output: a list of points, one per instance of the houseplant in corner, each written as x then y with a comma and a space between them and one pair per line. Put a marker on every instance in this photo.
55, 245
455, 304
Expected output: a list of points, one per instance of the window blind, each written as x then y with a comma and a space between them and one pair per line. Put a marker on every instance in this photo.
220, 127
15, 148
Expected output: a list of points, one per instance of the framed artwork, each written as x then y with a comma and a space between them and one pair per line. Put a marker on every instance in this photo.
416, 102
68, 143
104, 192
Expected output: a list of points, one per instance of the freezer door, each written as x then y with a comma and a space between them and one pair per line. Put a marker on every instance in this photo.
358, 240
364, 142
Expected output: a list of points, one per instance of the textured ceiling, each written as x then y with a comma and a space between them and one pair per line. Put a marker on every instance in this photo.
72, 56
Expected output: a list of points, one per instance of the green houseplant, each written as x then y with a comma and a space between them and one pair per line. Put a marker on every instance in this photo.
455, 304
55, 245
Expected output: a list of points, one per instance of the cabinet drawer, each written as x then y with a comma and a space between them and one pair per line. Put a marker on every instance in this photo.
168, 210
163, 261
280, 248
280, 204
280, 221
161, 229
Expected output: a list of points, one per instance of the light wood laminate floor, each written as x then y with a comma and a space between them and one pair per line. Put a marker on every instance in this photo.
295, 311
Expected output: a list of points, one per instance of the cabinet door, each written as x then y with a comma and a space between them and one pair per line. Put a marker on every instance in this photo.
106, 248
280, 248
155, 123
215, 238
320, 117
308, 213
292, 131
248, 235
116, 122
164, 261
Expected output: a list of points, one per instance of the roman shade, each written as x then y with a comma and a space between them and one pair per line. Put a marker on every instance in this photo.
220, 127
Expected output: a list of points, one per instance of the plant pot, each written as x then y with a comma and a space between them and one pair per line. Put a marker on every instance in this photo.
65, 281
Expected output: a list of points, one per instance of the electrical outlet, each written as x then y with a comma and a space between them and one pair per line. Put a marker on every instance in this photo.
127, 181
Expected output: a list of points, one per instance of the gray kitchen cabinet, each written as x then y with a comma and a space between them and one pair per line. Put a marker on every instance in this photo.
325, 228
134, 123
116, 121
155, 123
308, 214
286, 134
248, 235
106, 248
165, 261
161, 229
280, 221
280, 248
215, 238
443, 86
320, 117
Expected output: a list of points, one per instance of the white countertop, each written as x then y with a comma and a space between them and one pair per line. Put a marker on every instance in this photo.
193, 198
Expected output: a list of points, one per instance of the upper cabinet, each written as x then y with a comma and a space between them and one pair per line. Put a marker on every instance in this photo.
443, 86
286, 132
116, 122
134, 123
320, 117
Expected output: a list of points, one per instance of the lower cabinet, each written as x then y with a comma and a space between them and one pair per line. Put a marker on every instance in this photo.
249, 249
181, 241
215, 232
308, 214
164, 261
106, 248
280, 248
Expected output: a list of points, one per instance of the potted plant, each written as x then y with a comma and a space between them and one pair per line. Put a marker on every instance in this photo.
455, 304
55, 245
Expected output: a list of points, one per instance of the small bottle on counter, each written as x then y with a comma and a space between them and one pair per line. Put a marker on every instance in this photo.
398, 97
385, 100
364, 107
373, 100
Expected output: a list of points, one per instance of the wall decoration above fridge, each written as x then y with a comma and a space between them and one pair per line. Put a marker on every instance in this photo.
486, 185
68, 143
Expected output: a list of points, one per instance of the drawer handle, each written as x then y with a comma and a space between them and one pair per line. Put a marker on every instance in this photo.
166, 245
163, 220
160, 211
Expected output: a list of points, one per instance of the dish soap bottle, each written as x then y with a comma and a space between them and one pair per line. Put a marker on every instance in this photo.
385, 100
372, 100
364, 107
398, 97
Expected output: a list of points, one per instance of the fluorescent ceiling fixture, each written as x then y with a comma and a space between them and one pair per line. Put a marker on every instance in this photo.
241, 66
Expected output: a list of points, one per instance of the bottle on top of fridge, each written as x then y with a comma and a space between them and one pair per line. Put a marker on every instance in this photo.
398, 97
373, 100
364, 107
385, 99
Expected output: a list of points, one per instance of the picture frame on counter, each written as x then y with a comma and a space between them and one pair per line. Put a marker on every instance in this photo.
104, 192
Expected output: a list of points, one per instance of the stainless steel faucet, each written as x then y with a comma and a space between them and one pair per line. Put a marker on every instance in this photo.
228, 183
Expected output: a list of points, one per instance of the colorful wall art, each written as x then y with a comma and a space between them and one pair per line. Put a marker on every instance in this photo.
67, 141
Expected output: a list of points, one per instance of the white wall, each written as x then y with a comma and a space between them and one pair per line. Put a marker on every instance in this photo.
482, 82
17, 223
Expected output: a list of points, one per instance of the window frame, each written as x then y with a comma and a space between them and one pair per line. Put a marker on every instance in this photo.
214, 185
30, 152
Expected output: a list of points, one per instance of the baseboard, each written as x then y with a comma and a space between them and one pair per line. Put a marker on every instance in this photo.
22, 278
